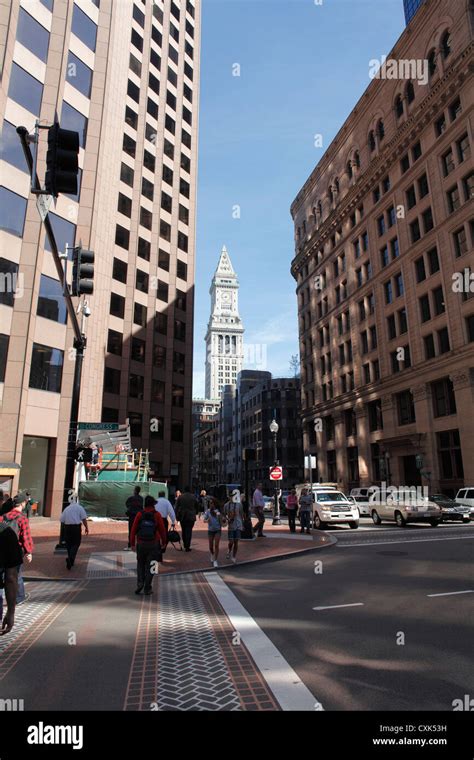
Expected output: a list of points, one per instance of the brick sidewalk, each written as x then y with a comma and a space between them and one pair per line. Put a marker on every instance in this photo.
107, 541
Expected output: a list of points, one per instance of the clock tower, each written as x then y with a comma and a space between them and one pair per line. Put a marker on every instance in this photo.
224, 337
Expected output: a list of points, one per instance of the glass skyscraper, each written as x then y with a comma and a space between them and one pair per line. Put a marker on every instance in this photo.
411, 7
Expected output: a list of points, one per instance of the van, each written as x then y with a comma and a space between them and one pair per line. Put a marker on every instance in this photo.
465, 497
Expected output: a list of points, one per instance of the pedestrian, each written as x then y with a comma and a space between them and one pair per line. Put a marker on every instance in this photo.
292, 508
73, 517
234, 515
163, 506
11, 559
134, 505
306, 510
186, 510
258, 504
7, 504
203, 503
148, 538
20, 524
213, 518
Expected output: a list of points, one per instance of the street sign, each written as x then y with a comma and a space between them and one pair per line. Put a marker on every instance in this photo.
276, 473
43, 203
307, 463
98, 425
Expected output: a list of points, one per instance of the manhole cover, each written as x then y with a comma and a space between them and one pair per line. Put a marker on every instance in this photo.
393, 554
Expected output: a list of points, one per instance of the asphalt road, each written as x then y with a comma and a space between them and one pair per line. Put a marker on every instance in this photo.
399, 648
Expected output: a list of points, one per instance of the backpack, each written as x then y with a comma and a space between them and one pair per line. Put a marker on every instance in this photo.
147, 528
10, 523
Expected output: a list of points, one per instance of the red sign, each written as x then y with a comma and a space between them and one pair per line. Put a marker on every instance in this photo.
276, 473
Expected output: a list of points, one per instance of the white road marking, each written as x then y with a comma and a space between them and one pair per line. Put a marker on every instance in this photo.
453, 593
402, 541
338, 606
287, 687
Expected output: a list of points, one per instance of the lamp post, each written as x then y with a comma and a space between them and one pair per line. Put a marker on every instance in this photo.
274, 427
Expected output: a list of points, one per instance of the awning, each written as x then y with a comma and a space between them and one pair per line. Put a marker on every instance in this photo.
9, 468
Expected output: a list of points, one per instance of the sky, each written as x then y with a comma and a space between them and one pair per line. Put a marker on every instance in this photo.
303, 66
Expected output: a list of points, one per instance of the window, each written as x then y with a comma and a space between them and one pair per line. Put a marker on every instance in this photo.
156, 36
46, 368
168, 149
135, 65
137, 40
399, 288
405, 163
136, 424
154, 57
446, 44
129, 145
164, 260
150, 133
165, 230
84, 28
402, 321
182, 241
411, 196
428, 222
438, 300
184, 188
177, 431
146, 218
137, 353
119, 271
147, 189
455, 109
10, 147
144, 249
185, 136
111, 380
448, 162
149, 161
381, 225
440, 126
4, 341
463, 148
366, 371
181, 270
399, 107
432, 63
170, 124
167, 174
122, 236
179, 330
152, 108
374, 409
166, 202
391, 218
468, 187
117, 305
460, 242
406, 408
32, 35
183, 214
158, 395
126, 175
443, 341
185, 163
114, 343
425, 310
394, 247
159, 357
376, 194
124, 205
154, 84
423, 188
470, 328
384, 258
179, 361
141, 281
77, 122
64, 232
454, 199
415, 231
162, 291
138, 16
388, 292
392, 328
25, 90
131, 118
420, 269
13, 214
161, 323
444, 401
410, 92
133, 91
433, 260
51, 303
450, 455
136, 386
416, 151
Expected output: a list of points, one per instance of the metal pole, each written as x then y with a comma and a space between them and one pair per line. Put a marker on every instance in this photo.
79, 340
276, 510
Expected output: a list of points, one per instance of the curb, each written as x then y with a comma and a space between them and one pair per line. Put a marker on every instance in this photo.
330, 541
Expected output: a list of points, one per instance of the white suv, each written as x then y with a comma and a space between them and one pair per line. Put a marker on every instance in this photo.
465, 496
332, 507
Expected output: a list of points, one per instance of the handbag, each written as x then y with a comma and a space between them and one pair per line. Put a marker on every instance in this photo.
175, 538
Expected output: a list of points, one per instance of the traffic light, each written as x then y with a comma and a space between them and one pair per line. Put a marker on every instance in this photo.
62, 165
82, 271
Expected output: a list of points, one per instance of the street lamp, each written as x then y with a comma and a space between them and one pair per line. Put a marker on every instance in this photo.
274, 427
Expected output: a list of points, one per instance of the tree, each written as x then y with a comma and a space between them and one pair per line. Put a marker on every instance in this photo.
295, 364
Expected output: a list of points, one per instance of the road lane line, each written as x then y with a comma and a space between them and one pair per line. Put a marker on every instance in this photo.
453, 593
284, 682
403, 541
338, 606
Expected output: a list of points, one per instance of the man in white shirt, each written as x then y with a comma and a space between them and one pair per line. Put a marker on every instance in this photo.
163, 506
72, 517
258, 504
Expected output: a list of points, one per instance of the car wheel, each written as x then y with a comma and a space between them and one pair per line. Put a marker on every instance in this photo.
318, 523
434, 523
354, 524
466, 519
376, 518
400, 520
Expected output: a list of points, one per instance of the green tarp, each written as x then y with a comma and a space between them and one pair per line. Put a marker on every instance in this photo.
106, 499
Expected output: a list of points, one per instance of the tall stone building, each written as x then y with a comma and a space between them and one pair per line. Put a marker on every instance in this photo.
125, 75
384, 235
224, 337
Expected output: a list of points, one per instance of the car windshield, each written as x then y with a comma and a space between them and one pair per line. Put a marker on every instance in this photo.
444, 499
334, 496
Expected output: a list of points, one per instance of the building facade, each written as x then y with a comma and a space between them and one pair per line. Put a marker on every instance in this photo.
125, 75
225, 332
384, 234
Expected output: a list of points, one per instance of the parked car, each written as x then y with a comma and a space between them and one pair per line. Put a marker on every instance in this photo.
268, 505
361, 497
450, 509
401, 510
465, 497
332, 507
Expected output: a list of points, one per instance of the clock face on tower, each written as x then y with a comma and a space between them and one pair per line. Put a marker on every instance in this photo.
226, 298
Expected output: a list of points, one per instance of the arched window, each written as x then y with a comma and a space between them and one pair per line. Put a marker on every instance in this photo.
357, 159
350, 173
432, 63
399, 106
410, 92
336, 185
380, 129
330, 195
371, 140
320, 209
446, 44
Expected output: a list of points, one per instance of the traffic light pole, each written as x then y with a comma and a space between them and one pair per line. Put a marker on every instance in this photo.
79, 337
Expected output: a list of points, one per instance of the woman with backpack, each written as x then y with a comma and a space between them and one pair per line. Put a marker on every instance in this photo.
214, 530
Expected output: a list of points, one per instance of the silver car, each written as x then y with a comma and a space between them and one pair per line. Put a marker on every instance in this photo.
400, 510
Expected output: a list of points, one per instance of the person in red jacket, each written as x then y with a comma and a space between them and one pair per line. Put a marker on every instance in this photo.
148, 538
19, 522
